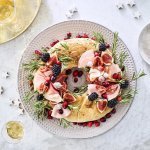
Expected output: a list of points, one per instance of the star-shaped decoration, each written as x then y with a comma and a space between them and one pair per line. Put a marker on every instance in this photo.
119, 5
131, 3
69, 15
73, 9
16, 103
5, 75
137, 15
1, 90
21, 111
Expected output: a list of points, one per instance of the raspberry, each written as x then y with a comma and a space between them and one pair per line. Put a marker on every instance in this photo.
78, 36
85, 124
119, 98
85, 35
38, 52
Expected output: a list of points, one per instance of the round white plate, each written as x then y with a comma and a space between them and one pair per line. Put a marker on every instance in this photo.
144, 43
59, 31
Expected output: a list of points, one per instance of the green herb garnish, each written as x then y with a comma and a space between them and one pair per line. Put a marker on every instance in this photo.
28, 96
138, 75
64, 123
114, 47
99, 37
30, 77
122, 57
64, 45
65, 59
81, 90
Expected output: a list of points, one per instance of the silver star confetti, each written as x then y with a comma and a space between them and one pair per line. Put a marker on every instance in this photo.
69, 15
1, 90
137, 15
21, 111
73, 9
119, 5
131, 3
5, 75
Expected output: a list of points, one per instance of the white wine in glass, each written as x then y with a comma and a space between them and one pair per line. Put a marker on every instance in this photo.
7, 10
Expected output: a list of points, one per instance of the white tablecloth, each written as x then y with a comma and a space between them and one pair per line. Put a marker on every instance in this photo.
133, 132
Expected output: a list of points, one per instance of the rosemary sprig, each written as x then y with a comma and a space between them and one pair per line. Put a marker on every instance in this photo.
64, 123
122, 57
30, 77
81, 90
64, 45
65, 59
127, 95
114, 47
138, 75
28, 96
99, 37
33, 65
71, 107
55, 50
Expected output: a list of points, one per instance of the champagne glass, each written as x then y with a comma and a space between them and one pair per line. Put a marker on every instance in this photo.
7, 11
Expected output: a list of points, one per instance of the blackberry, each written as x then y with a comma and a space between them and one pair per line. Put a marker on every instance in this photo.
112, 103
45, 57
102, 47
56, 70
93, 96
125, 84
40, 97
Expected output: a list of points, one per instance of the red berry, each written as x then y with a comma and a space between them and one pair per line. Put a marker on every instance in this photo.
93, 38
75, 80
46, 83
119, 76
85, 35
75, 73
78, 36
85, 124
65, 104
65, 38
103, 119
105, 83
69, 34
89, 124
58, 63
113, 111
108, 115
80, 73
107, 45
38, 52
53, 43
74, 123
96, 54
119, 98
115, 76
49, 117
104, 95
53, 78
97, 123
47, 79
60, 111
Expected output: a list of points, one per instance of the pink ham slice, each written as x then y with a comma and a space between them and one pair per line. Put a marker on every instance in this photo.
39, 79
55, 112
85, 58
96, 88
113, 91
114, 68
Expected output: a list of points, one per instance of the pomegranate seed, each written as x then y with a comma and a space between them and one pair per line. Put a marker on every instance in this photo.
97, 124
104, 95
108, 115
103, 119
119, 77
115, 76
47, 79
53, 43
85, 124
65, 104
80, 124
69, 34
119, 98
78, 36
49, 117
105, 83
47, 83
58, 63
80, 73
65, 38
74, 123
38, 52
75, 73
49, 112
89, 124
68, 71
113, 111
93, 38
75, 80
60, 111
85, 35
96, 54
107, 45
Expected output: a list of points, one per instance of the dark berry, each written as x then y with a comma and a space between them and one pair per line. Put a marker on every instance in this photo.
75, 73
85, 124
125, 84
45, 57
60, 111
76, 90
108, 115
49, 117
65, 104
104, 95
112, 103
40, 97
68, 71
105, 83
93, 96
103, 119
75, 80
69, 34
123, 68
53, 78
102, 47
46, 83
56, 69
97, 123
85, 35
74, 123
78, 36
113, 111
80, 73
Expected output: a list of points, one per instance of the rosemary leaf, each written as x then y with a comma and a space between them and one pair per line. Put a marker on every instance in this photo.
114, 47
64, 123
28, 96
99, 37
138, 75
55, 50
30, 77
65, 59
122, 58
64, 45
